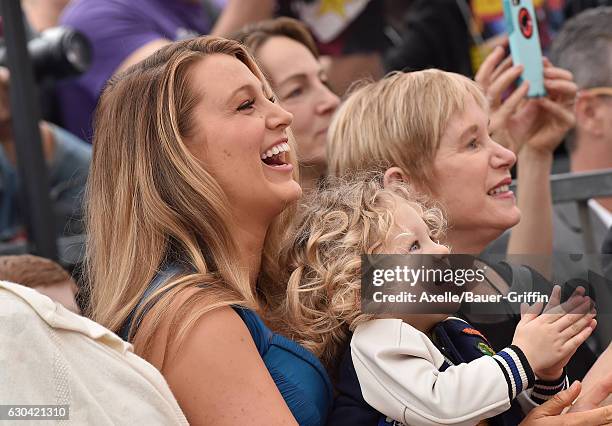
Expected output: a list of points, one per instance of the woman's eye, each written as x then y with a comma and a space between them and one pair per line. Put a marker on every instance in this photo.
295, 92
272, 99
473, 144
415, 246
246, 105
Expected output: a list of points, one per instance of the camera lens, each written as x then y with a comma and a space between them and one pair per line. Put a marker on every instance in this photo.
525, 23
77, 51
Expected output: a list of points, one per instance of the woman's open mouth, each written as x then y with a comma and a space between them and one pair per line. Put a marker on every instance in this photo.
276, 156
499, 190
502, 189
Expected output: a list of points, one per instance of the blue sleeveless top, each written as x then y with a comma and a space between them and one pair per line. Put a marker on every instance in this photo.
298, 374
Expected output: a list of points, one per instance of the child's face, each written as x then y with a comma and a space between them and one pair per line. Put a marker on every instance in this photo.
410, 234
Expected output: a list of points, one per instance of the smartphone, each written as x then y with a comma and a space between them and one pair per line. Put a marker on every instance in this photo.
524, 39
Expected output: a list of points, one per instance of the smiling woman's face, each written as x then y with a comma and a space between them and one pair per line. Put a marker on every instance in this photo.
241, 137
472, 174
301, 84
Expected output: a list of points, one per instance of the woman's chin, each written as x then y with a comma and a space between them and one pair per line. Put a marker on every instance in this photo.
514, 217
507, 218
288, 192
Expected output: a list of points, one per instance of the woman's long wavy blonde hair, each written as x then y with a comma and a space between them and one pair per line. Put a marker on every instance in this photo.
149, 201
350, 216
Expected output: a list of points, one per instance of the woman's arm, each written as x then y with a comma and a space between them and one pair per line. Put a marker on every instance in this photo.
550, 413
533, 234
597, 384
217, 374
218, 377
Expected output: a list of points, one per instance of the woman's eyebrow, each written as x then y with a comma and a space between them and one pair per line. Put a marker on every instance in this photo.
297, 77
469, 131
245, 87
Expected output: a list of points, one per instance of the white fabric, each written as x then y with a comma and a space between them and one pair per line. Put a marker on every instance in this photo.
604, 214
50, 355
397, 367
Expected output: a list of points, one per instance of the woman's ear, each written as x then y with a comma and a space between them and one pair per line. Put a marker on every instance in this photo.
394, 175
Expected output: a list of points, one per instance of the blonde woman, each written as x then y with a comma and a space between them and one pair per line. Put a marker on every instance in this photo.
416, 368
289, 57
405, 122
431, 129
192, 183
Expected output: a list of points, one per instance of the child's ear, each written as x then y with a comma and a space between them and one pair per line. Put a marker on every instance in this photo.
394, 175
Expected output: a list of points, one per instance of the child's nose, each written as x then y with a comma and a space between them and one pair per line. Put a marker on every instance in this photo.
440, 249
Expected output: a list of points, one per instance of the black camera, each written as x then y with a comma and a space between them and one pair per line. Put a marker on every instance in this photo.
57, 53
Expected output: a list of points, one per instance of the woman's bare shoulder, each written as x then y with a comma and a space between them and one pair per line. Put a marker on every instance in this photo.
215, 371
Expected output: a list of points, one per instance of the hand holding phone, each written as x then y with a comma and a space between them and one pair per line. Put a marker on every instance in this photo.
524, 42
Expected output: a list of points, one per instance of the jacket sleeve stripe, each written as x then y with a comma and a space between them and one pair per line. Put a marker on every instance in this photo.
516, 369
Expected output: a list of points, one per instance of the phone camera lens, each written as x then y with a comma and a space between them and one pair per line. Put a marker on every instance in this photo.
525, 23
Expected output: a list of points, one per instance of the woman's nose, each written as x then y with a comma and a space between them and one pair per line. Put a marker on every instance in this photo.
278, 117
502, 157
328, 101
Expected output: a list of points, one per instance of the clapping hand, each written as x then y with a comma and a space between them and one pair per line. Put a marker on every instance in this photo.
549, 339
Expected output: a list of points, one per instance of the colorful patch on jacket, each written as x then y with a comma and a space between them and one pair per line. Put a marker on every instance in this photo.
474, 332
485, 349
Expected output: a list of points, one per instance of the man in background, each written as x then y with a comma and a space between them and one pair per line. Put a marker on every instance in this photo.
584, 47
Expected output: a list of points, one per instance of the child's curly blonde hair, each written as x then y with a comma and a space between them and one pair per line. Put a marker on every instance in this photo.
348, 217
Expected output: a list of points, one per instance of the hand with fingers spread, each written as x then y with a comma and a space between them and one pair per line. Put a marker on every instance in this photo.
518, 121
549, 413
549, 339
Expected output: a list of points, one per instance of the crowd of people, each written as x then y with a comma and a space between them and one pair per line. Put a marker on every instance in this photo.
230, 162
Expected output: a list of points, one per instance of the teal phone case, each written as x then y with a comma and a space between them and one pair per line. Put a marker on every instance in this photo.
525, 43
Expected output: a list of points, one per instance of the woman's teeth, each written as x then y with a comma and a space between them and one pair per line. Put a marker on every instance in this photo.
499, 190
283, 147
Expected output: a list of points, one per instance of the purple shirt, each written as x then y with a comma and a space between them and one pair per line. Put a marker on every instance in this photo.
115, 29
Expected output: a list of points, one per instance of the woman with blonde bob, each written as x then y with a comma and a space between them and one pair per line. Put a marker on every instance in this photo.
434, 129
193, 179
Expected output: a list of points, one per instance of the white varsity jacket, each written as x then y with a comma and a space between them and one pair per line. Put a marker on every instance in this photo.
398, 368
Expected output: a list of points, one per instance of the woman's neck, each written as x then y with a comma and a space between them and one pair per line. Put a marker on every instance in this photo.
468, 241
249, 239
